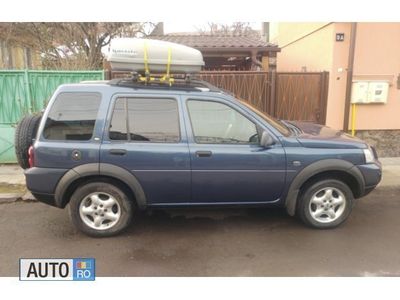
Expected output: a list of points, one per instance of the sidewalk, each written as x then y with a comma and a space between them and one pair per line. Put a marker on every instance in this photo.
391, 172
12, 179
12, 184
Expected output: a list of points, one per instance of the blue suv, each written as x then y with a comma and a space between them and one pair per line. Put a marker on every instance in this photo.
111, 148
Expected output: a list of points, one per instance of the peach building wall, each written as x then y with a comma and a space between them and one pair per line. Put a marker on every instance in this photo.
377, 56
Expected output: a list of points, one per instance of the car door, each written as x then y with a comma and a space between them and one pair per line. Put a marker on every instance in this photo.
228, 163
146, 136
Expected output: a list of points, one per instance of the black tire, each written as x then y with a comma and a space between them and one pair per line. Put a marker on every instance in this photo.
24, 134
126, 208
318, 189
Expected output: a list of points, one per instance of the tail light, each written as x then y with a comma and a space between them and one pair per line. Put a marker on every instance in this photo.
31, 157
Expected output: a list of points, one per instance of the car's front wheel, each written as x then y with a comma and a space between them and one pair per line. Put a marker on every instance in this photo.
100, 209
325, 204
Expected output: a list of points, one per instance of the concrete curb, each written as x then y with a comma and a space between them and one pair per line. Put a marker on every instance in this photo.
14, 197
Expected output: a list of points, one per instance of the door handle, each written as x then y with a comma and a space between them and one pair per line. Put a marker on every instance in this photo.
117, 151
203, 153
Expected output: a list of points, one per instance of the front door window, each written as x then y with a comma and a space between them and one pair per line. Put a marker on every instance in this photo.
217, 123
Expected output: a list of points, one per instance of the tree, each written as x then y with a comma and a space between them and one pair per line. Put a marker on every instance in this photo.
70, 45
233, 29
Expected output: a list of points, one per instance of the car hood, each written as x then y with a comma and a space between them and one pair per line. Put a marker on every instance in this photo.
318, 136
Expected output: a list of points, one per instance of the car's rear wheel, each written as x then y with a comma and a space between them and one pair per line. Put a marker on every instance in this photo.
325, 204
100, 209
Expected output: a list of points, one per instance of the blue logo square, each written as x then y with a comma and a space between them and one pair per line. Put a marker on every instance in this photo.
84, 269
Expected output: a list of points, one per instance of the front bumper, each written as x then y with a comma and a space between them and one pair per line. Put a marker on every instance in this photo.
372, 174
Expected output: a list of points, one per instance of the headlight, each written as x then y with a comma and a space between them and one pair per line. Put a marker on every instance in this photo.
369, 156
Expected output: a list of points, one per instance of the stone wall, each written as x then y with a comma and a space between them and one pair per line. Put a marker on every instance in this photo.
386, 142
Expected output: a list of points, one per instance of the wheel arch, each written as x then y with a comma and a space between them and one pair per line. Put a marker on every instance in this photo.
328, 168
90, 172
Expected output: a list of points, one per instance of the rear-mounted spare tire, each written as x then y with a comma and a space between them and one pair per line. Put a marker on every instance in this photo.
24, 134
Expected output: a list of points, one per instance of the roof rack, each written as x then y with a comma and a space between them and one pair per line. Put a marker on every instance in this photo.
184, 83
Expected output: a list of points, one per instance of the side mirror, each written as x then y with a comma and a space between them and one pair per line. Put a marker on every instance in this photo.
266, 140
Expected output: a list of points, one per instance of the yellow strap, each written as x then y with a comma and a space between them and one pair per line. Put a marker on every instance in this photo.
145, 57
169, 61
167, 77
147, 77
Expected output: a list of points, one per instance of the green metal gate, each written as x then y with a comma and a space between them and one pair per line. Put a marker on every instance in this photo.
25, 91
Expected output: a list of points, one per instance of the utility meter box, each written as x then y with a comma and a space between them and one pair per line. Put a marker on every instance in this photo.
369, 92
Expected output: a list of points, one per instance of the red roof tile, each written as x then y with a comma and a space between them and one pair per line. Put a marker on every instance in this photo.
209, 42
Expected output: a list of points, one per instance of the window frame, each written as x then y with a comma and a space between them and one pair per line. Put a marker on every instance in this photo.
204, 99
129, 140
43, 138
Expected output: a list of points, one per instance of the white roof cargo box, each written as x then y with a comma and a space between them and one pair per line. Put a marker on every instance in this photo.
129, 54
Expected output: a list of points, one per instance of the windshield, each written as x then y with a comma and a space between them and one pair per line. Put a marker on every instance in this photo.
278, 125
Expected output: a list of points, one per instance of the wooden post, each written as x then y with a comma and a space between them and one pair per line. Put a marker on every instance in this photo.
272, 78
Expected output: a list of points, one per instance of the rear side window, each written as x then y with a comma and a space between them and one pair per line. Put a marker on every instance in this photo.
72, 117
145, 120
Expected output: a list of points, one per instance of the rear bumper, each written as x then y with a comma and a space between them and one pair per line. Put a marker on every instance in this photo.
45, 198
42, 183
372, 174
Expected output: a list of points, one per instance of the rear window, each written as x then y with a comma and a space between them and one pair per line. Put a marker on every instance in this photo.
72, 117
145, 120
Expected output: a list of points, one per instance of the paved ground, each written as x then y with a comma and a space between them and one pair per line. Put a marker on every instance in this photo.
204, 243
251, 242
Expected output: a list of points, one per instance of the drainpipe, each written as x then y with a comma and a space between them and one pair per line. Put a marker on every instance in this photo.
265, 31
349, 81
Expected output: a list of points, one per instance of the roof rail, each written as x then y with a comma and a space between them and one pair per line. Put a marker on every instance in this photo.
186, 83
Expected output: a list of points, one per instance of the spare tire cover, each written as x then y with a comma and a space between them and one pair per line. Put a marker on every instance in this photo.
24, 134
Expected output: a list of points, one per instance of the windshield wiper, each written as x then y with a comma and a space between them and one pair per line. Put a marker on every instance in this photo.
293, 128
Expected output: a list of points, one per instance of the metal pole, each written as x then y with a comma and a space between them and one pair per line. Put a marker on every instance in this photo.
353, 119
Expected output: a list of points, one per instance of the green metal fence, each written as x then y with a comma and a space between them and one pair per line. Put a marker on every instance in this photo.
27, 91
